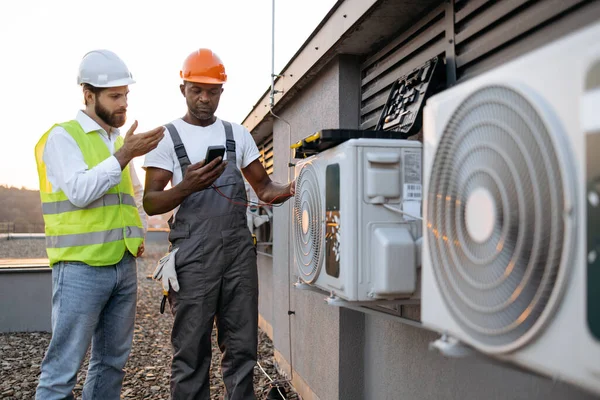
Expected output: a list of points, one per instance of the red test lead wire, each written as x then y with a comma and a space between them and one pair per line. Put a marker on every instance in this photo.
249, 203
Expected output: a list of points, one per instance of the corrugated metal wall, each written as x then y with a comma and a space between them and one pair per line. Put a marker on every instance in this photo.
472, 36
419, 43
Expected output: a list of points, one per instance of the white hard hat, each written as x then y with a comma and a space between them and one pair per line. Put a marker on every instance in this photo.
103, 68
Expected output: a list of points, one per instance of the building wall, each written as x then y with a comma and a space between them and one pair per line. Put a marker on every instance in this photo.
26, 298
342, 354
398, 365
329, 102
314, 327
265, 297
472, 37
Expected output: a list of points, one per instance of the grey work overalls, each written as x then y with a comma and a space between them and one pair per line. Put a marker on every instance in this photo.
217, 274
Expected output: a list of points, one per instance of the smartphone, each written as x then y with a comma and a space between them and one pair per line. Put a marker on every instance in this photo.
213, 152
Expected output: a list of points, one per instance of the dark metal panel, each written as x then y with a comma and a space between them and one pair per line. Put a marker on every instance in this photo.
489, 32
406, 51
405, 36
567, 23
378, 87
592, 222
374, 103
450, 44
494, 13
468, 8
370, 123
422, 40
435, 49
510, 29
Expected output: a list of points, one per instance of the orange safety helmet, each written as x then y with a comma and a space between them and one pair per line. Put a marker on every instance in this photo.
203, 66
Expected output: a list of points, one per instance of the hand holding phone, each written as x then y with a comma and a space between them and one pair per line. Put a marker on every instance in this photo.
202, 174
213, 152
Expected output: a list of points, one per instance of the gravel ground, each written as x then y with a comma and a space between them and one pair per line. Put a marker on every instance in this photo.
148, 368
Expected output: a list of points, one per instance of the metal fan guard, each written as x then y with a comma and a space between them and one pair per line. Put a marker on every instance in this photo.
308, 245
500, 290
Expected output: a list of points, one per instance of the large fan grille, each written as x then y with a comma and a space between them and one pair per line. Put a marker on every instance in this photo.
308, 224
497, 288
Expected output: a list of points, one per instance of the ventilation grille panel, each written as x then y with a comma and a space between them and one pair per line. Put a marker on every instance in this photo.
496, 219
266, 154
308, 224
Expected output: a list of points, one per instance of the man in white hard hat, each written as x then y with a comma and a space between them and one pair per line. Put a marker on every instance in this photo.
95, 228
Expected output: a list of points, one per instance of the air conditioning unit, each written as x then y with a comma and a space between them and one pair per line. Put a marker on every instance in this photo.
511, 211
354, 225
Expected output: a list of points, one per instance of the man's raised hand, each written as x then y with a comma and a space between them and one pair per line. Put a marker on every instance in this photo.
141, 143
136, 145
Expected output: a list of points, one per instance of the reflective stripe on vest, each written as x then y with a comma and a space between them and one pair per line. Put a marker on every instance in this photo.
86, 239
110, 199
100, 233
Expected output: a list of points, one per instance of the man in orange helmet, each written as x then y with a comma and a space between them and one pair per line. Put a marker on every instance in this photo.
214, 274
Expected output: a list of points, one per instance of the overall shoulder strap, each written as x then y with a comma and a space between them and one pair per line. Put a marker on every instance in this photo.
229, 141
182, 156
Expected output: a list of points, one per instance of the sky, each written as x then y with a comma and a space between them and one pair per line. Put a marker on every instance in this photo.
42, 43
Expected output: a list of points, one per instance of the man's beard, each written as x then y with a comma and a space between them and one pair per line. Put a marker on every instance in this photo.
202, 115
116, 120
205, 114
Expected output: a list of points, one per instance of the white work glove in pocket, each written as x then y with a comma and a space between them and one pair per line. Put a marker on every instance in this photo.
165, 272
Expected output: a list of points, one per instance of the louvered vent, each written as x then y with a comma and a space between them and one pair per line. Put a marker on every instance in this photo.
266, 154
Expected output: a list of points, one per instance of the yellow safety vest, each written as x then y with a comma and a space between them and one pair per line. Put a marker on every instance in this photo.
99, 233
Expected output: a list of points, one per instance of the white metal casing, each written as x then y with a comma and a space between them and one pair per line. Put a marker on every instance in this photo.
366, 275
553, 78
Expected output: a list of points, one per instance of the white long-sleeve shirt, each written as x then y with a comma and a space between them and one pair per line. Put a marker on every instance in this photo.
67, 171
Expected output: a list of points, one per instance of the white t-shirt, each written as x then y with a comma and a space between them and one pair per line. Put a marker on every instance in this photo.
196, 140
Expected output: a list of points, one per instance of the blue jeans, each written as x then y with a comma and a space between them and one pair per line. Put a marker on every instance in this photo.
90, 305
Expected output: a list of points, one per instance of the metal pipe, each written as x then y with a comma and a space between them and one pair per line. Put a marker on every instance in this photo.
262, 253
14, 236
396, 318
271, 105
20, 270
272, 97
